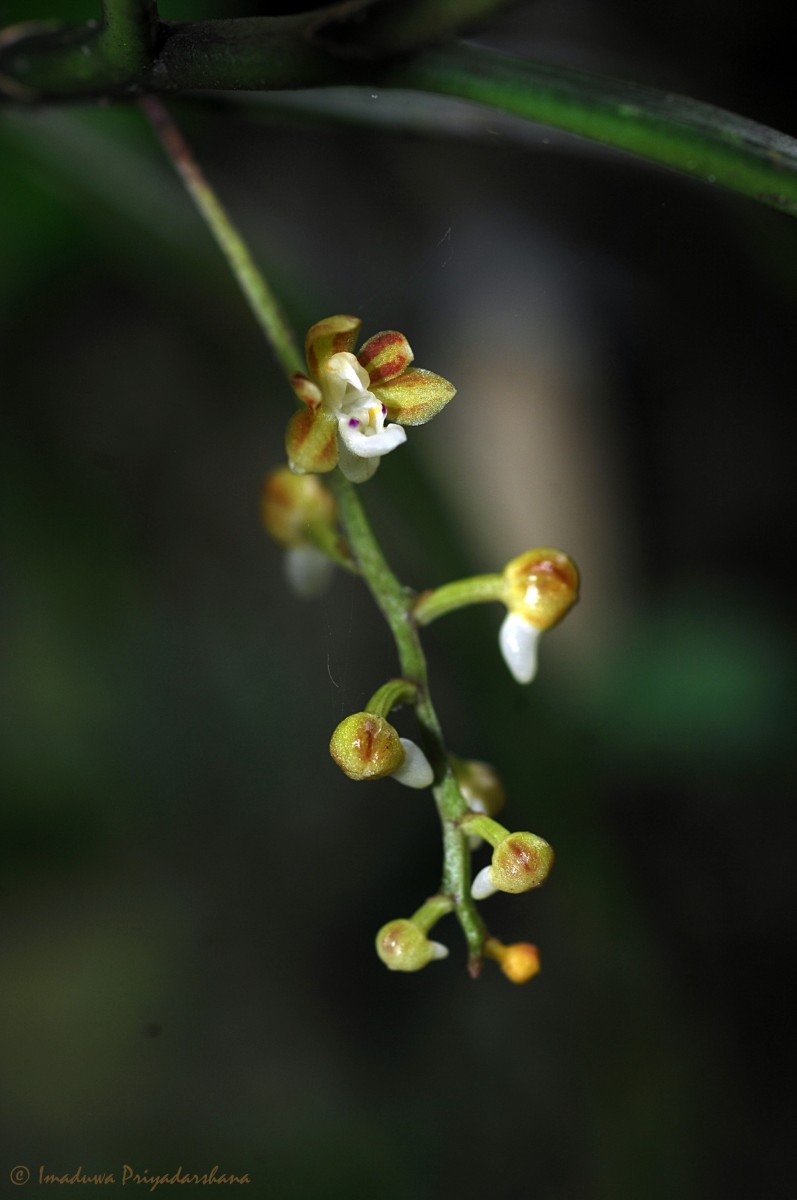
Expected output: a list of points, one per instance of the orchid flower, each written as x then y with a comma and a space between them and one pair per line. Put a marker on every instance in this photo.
349, 398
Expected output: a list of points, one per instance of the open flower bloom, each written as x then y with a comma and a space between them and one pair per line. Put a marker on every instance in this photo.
349, 398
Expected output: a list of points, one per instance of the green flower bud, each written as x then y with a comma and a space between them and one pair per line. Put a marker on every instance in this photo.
540, 586
520, 862
293, 505
366, 746
480, 785
403, 946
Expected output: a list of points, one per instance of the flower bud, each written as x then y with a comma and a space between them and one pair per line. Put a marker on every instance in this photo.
403, 946
366, 746
520, 862
480, 785
540, 586
538, 589
291, 504
520, 962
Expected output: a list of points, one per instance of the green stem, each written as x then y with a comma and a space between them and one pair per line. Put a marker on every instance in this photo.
479, 825
390, 695
262, 300
394, 601
478, 589
387, 29
430, 913
127, 38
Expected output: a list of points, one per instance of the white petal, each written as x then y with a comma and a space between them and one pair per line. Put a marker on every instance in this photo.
308, 571
518, 642
345, 366
369, 445
415, 771
483, 885
356, 469
439, 950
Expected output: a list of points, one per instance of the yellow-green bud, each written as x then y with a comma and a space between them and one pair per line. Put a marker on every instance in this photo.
480, 785
366, 746
540, 586
291, 504
521, 862
403, 946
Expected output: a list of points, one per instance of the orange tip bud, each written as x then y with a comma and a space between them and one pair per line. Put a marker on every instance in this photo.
520, 962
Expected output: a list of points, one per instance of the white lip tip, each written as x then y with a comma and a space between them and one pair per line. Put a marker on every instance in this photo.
416, 770
439, 950
483, 885
518, 641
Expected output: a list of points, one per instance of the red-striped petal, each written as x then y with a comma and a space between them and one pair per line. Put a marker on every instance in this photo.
329, 337
385, 356
308, 392
311, 441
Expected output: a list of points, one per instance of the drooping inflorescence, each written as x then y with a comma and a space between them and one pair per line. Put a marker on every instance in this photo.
355, 407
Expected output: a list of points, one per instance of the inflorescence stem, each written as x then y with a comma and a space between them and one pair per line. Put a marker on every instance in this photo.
261, 299
394, 600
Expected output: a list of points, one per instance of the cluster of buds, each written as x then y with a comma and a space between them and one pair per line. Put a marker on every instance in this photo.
355, 406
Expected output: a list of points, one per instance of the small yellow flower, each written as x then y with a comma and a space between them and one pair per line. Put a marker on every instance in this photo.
349, 398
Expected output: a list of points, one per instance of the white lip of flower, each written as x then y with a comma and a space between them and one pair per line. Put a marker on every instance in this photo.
518, 641
483, 885
416, 770
308, 571
439, 950
362, 434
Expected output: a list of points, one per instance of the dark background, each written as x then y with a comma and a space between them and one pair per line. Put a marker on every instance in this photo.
189, 889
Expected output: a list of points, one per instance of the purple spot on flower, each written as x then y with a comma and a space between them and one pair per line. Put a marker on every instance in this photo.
384, 410
353, 422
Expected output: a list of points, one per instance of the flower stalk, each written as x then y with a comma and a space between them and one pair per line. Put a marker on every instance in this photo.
261, 299
340, 431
